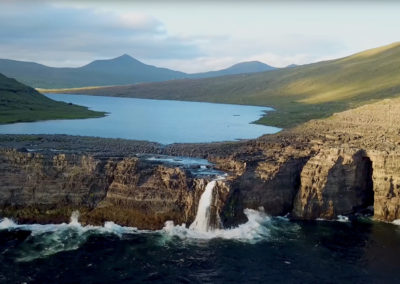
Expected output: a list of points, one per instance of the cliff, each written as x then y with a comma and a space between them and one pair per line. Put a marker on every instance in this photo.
346, 164
343, 165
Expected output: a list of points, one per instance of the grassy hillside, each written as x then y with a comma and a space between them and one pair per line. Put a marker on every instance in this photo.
22, 103
298, 94
240, 68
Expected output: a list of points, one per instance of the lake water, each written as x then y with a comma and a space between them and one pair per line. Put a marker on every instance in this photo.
153, 120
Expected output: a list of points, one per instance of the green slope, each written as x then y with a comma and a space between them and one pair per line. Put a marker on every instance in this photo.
239, 68
298, 94
22, 103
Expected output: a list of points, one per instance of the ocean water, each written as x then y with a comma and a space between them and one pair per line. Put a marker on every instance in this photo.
263, 250
153, 120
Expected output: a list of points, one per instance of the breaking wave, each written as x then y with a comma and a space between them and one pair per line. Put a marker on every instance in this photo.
49, 239
396, 222
339, 218
259, 227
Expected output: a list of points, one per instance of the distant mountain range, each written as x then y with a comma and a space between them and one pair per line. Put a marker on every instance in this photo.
122, 70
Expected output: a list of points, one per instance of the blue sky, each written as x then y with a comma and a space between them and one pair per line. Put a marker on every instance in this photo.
194, 36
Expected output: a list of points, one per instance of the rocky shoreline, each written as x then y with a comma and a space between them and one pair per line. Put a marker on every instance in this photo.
343, 165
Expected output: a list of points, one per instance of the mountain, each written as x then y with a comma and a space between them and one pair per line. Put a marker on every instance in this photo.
19, 102
240, 68
122, 70
126, 69
118, 71
298, 94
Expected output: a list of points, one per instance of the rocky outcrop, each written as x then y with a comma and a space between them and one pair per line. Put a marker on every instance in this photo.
386, 184
356, 165
266, 186
220, 196
129, 191
33, 182
334, 182
337, 166
147, 197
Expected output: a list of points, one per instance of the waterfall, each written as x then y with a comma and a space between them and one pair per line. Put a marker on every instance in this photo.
203, 216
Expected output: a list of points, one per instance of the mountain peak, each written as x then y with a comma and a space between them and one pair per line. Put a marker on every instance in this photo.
250, 67
124, 61
124, 56
251, 63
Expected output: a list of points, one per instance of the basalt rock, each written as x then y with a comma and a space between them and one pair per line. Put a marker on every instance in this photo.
266, 186
128, 191
334, 182
386, 184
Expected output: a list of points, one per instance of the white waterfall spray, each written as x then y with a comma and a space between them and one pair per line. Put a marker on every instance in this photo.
54, 238
203, 216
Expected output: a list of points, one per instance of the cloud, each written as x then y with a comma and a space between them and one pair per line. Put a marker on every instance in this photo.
277, 51
60, 35
192, 36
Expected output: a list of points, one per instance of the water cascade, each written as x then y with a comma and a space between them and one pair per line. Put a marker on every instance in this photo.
203, 216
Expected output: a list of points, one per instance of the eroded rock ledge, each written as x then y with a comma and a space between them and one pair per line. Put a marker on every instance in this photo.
337, 166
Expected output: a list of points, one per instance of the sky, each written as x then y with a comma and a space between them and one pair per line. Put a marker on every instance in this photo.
194, 36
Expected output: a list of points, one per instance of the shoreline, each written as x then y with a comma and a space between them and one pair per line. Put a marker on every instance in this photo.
322, 169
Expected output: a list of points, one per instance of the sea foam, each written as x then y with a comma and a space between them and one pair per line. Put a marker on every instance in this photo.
396, 222
257, 228
49, 239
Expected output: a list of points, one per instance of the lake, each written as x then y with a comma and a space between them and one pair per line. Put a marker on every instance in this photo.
153, 120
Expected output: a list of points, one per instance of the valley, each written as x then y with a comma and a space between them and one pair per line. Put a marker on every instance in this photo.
298, 94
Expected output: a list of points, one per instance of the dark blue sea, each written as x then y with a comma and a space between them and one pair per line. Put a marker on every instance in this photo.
264, 250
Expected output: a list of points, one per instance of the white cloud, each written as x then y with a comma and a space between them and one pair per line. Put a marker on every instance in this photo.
48, 34
139, 21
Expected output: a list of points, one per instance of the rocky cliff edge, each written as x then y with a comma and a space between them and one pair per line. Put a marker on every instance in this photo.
343, 165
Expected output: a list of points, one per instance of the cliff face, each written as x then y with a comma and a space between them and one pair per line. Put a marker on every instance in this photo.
334, 182
356, 165
386, 184
128, 191
322, 169
337, 166
264, 185
33, 182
